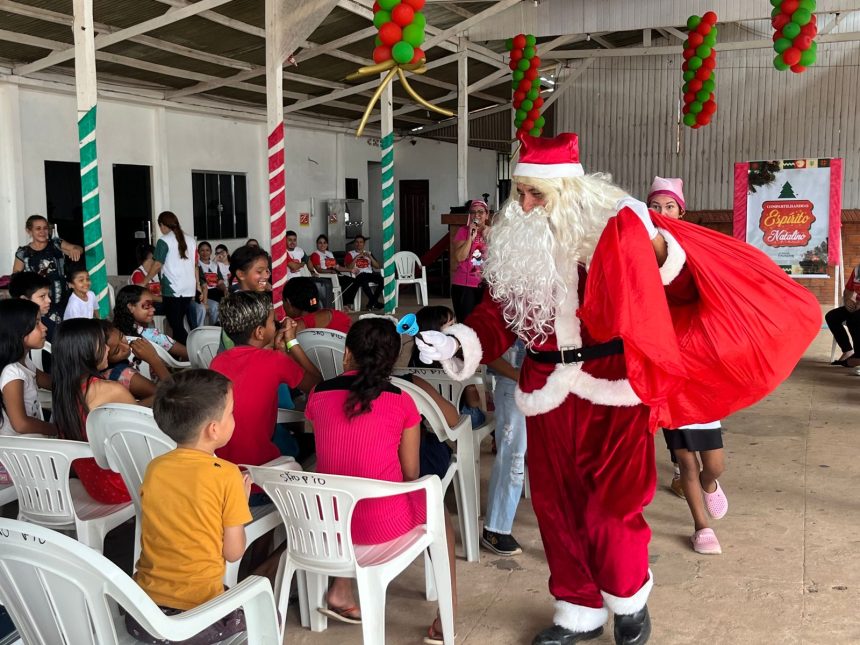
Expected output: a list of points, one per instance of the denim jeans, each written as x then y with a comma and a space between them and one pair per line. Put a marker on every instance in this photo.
506, 481
197, 313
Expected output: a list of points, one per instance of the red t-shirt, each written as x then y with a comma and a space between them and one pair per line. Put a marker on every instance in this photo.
339, 320
256, 374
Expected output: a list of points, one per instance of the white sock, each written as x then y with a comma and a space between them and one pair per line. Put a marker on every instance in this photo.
677, 471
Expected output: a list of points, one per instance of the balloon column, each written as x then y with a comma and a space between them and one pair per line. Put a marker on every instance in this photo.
700, 60
526, 84
400, 25
795, 26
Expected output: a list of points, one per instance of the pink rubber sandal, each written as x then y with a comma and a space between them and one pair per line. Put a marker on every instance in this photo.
716, 503
705, 542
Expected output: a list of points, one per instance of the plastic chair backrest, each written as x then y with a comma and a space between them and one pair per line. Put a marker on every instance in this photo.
405, 263
40, 474
37, 358
450, 389
427, 408
125, 438
324, 348
163, 354
203, 343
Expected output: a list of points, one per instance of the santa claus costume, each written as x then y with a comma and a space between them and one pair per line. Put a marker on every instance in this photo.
625, 333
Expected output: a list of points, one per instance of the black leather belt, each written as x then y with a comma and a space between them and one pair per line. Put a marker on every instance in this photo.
567, 355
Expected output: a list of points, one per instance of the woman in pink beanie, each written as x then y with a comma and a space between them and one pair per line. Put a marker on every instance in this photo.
691, 443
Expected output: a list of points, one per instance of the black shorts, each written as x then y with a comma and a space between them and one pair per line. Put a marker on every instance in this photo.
694, 440
231, 624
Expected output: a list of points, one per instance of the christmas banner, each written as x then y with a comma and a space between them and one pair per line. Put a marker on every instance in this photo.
791, 209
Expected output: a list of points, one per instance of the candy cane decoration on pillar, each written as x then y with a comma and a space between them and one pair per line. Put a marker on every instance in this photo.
386, 146
85, 84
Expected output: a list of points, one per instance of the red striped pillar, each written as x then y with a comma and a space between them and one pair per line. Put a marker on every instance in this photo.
278, 217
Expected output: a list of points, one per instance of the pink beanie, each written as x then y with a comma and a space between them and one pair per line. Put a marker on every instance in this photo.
671, 186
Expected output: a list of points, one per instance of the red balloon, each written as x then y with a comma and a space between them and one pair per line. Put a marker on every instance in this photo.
686, 108
777, 35
528, 124
402, 14
703, 73
791, 56
516, 54
684, 66
814, 20
381, 54
531, 73
695, 39
696, 126
803, 42
514, 65
710, 62
710, 17
688, 53
519, 96
535, 62
798, 69
418, 55
809, 30
703, 28
519, 41
417, 5
390, 34
780, 20
788, 7
695, 85
376, 7
689, 97
534, 113
538, 102
709, 107
525, 85
702, 118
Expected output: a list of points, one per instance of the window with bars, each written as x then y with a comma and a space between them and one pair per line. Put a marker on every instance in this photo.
220, 205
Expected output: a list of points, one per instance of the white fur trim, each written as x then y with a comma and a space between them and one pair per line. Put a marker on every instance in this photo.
675, 259
627, 606
571, 379
578, 618
457, 369
548, 170
567, 329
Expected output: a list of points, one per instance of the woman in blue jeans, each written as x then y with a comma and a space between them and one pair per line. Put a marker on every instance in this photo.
506, 480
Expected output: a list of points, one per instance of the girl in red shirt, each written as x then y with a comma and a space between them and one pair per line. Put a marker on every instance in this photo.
302, 305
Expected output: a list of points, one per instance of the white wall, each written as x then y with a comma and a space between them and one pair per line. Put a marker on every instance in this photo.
175, 143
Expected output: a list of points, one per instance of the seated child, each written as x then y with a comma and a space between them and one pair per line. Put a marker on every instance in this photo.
193, 505
123, 367
302, 305
82, 302
364, 426
257, 370
36, 288
133, 314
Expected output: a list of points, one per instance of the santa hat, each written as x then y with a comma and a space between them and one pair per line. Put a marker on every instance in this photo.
670, 186
549, 158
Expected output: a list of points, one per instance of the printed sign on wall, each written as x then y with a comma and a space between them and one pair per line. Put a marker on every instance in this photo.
791, 210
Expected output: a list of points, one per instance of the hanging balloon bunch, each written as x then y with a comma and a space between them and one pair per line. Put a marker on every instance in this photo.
398, 50
795, 27
700, 60
526, 84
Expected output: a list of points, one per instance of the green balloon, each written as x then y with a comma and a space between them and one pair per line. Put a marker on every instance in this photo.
402, 52
509, 43
776, 11
801, 17
388, 5
809, 5
380, 18
515, 84
689, 75
694, 63
522, 115
419, 20
524, 64
807, 58
517, 122
709, 85
377, 41
539, 122
791, 30
693, 22
813, 47
695, 107
527, 105
528, 52
690, 119
536, 84
702, 95
711, 38
532, 94
531, 41
776, 3
779, 63
685, 88
535, 132
781, 45
413, 34
703, 51
714, 31
685, 44
517, 76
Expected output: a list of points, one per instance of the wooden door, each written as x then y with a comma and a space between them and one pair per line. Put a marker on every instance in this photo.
414, 216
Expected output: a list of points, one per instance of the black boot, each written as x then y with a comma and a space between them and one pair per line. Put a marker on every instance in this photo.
633, 629
558, 635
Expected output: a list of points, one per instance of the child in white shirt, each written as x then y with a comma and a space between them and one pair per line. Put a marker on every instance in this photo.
82, 302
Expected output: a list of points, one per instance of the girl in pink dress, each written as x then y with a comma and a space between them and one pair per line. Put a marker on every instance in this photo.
366, 427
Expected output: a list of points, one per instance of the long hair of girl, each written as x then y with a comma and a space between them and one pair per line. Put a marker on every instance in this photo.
18, 318
122, 316
169, 219
375, 345
78, 348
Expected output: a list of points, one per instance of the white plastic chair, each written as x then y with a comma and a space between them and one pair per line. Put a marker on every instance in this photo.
48, 497
125, 438
324, 348
38, 358
164, 355
58, 591
317, 511
335, 288
203, 343
407, 266
8, 494
111, 296
461, 471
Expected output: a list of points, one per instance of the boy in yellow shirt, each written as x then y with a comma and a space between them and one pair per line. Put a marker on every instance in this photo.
193, 505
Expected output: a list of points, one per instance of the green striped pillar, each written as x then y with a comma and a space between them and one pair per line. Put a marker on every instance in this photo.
387, 148
93, 243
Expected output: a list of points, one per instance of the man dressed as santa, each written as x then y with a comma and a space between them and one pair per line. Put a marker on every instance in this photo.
624, 333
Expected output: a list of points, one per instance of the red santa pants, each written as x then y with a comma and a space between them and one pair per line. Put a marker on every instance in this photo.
591, 469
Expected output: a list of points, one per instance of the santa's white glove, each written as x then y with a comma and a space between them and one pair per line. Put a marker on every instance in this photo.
641, 211
435, 346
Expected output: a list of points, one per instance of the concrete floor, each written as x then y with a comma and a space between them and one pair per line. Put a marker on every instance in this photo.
788, 572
